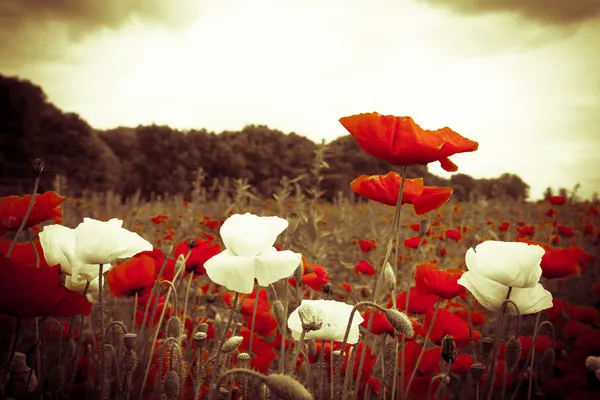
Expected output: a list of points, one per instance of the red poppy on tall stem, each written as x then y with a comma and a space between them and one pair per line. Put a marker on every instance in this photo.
202, 251
136, 275
28, 292
443, 283
45, 208
400, 141
24, 253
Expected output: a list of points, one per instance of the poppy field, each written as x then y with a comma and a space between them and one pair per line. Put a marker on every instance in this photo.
408, 294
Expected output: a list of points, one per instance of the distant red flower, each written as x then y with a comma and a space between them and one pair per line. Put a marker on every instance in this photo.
315, 277
557, 200
367, 245
527, 230
504, 226
159, 219
201, 253
418, 303
347, 287
443, 283
400, 141
45, 208
27, 292
363, 267
413, 242
585, 314
452, 234
565, 231
136, 275
415, 227
588, 229
564, 262
443, 252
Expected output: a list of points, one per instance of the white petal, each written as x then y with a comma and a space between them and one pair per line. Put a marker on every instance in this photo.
233, 272
89, 272
248, 234
531, 300
295, 324
274, 265
513, 264
489, 293
335, 321
58, 245
100, 242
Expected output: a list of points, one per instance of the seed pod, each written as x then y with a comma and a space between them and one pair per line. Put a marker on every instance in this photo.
448, 351
231, 344
513, 353
423, 227
171, 385
286, 387
200, 338
174, 327
486, 345
243, 360
279, 313
311, 317
328, 288
400, 322
192, 242
477, 371
130, 340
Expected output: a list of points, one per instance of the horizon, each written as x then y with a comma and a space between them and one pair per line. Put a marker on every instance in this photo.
517, 78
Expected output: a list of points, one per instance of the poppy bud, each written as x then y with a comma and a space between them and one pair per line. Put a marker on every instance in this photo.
400, 322
477, 371
191, 242
167, 248
286, 387
513, 353
449, 349
311, 317
130, 340
486, 345
171, 385
328, 288
231, 344
243, 360
293, 221
389, 278
174, 327
279, 313
38, 166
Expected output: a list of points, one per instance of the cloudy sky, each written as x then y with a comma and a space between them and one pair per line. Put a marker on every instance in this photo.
519, 76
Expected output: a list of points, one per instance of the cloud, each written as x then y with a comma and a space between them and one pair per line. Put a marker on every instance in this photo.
40, 30
549, 12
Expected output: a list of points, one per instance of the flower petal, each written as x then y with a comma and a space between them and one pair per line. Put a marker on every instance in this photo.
58, 244
531, 300
248, 235
233, 272
274, 265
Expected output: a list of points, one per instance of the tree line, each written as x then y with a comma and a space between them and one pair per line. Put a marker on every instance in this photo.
159, 160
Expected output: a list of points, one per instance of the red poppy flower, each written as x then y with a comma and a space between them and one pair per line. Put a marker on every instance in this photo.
369, 362
363, 267
585, 314
564, 262
432, 198
347, 287
384, 189
418, 303
452, 234
45, 208
159, 219
265, 323
504, 226
477, 317
23, 253
443, 283
446, 323
430, 362
557, 200
315, 277
443, 252
379, 325
573, 329
527, 230
413, 242
27, 292
203, 251
400, 141
367, 245
264, 352
136, 275
462, 365
565, 231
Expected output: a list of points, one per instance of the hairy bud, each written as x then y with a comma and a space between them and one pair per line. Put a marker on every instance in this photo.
231, 344
171, 385
38, 166
286, 387
311, 317
513, 353
423, 227
547, 362
174, 327
279, 313
448, 351
400, 322
167, 248
192, 242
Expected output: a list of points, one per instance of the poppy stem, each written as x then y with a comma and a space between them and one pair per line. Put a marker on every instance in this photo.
35, 252
187, 296
470, 323
134, 314
102, 328
292, 367
489, 384
431, 323
26, 217
79, 342
11, 351
530, 354
257, 288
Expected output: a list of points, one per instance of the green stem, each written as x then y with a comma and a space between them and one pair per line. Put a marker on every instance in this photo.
489, 385
257, 288
292, 367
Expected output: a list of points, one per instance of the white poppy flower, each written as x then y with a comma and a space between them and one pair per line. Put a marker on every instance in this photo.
77, 284
79, 251
495, 266
250, 254
335, 315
